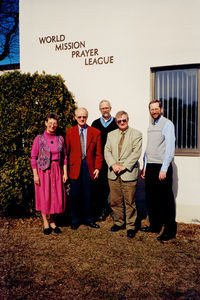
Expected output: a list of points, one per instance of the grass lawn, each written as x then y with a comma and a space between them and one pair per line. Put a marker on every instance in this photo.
96, 263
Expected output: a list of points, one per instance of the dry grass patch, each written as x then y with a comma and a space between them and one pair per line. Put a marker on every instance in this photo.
96, 263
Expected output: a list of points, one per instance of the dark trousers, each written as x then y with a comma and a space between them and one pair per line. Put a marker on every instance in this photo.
160, 199
101, 192
80, 196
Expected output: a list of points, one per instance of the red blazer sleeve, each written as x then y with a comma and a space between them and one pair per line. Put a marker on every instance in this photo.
94, 155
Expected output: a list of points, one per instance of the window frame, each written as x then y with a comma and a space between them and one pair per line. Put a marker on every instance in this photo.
10, 67
178, 151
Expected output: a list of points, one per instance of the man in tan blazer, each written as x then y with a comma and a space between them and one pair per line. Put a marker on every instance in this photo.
122, 151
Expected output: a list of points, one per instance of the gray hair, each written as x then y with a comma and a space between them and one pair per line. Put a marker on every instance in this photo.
102, 101
120, 113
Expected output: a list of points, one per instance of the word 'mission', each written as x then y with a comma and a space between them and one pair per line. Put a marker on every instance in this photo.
78, 50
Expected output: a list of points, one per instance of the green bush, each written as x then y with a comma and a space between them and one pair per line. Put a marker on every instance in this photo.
25, 100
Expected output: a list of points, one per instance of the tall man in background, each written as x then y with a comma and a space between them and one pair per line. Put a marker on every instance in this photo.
157, 172
105, 124
122, 151
83, 146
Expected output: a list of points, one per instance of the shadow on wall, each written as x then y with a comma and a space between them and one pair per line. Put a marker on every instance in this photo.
175, 181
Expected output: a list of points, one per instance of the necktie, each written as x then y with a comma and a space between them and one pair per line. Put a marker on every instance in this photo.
121, 143
82, 144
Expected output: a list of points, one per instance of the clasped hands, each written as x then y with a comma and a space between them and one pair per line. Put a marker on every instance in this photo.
117, 168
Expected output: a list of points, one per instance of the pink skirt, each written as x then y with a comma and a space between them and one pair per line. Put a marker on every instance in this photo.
50, 194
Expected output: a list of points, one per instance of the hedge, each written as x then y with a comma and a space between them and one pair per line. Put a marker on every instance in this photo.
25, 100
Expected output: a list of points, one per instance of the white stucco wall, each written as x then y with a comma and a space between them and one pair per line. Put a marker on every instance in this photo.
139, 34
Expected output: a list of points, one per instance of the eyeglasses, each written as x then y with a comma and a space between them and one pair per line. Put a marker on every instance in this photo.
52, 124
121, 121
84, 117
104, 108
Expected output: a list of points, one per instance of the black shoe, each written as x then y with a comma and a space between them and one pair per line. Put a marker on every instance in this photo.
137, 225
75, 226
165, 237
92, 225
56, 230
150, 229
146, 229
47, 231
131, 233
116, 228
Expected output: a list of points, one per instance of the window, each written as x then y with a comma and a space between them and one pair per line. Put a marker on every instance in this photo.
178, 89
9, 35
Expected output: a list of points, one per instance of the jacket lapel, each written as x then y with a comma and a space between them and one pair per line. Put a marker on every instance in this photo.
89, 137
116, 141
77, 136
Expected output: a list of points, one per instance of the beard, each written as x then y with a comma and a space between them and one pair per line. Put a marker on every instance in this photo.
106, 115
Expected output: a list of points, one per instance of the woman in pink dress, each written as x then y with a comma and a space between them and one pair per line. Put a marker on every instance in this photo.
49, 164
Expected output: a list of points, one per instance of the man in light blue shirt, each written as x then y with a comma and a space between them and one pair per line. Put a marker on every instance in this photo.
106, 123
157, 172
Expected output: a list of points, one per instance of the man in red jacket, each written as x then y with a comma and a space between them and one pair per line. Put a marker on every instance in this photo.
85, 159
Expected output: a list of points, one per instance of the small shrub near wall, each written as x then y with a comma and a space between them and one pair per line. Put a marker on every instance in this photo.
25, 100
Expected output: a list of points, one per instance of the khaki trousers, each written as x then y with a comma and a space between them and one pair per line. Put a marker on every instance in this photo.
122, 200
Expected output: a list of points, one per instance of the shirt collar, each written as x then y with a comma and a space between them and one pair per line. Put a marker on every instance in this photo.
84, 127
49, 134
156, 121
104, 122
125, 131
